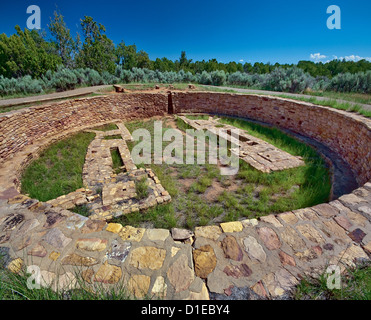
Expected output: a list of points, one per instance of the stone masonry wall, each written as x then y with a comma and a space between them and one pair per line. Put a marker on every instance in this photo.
347, 134
26, 126
261, 258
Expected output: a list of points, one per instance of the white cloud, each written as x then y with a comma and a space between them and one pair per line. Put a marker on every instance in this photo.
356, 58
317, 56
241, 60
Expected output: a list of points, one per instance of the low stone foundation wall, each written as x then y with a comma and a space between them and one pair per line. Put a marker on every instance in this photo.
249, 259
24, 127
349, 135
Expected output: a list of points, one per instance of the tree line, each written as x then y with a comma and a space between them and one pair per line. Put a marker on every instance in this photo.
30, 52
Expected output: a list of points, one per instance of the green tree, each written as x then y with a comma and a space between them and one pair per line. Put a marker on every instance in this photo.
143, 60
97, 51
26, 53
64, 43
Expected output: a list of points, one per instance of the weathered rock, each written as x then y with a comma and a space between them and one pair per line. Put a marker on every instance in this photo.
209, 232
272, 220
21, 243
291, 237
204, 261
280, 282
114, 227
4, 238
174, 251
26, 227
129, 233
236, 272
16, 265
310, 233
202, 295
351, 255
328, 246
269, 237
12, 221
91, 244
76, 221
231, 248
77, 260
325, 210
53, 219
343, 222
147, 258
286, 259
254, 249
288, 217
306, 214
47, 278
259, 289
54, 255
18, 199
157, 234
56, 238
108, 273
119, 251
357, 235
181, 234
309, 254
367, 247
332, 230
249, 222
180, 274
234, 226
159, 288
138, 285
91, 226
87, 275
4, 256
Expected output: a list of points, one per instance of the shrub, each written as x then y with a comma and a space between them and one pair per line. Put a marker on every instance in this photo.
28, 85
64, 79
109, 78
218, 78
138, 75
291, 79
205, 78
347, 82
93, 77
24, 85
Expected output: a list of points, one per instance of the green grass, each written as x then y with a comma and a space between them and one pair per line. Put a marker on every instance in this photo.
257, 193
362, 98
82, 210
141, 188
333, 104
14, 287
114, 137
106, 127
117, 162
355, 285
40, 103
58, 170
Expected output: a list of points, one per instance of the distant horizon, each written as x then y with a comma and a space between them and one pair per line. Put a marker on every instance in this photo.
240, 31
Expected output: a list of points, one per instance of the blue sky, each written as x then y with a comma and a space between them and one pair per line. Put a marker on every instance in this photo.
234, 30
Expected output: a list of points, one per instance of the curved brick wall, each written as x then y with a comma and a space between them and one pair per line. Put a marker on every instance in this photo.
347, 134
254, 258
